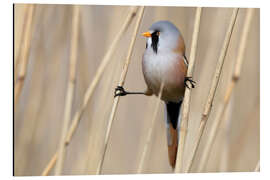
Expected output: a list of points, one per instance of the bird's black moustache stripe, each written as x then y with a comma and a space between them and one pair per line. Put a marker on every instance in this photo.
155, 38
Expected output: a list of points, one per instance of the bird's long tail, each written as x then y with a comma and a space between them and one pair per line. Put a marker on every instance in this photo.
172, 115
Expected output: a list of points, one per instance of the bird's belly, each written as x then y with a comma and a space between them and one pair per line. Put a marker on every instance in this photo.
169, 71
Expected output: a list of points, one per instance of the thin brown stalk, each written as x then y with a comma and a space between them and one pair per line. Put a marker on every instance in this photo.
257, 168
92, 86
150, 131
121, 82
24, 55
212, 92
226, 100
186, 103
70, 88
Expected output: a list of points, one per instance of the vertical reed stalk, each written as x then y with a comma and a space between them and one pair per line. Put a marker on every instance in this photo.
121, 82
186, 103
99, 73
226, 100
24, 55
150, 132
70, 88
213, 88
92, 86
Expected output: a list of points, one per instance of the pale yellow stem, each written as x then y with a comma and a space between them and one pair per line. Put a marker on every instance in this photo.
150, 132
24, 55
70, 88
121, 82
212, 92
101, 68
239, 60
186, 103
92, 86
51, 164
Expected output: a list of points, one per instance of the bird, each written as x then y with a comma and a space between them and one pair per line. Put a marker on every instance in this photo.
164, 63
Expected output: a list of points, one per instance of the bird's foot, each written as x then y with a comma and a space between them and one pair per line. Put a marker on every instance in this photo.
119, 91
191, 82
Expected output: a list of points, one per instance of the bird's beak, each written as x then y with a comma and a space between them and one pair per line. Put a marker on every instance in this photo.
146, 34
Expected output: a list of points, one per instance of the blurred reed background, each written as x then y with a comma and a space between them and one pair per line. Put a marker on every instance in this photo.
58, 54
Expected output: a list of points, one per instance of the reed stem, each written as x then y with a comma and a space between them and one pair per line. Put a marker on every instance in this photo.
212, 92
186, 103
70, 88
150, 132
22, 63
236, 75
121, 82
20, 41
51, 164
100, 71
91, 87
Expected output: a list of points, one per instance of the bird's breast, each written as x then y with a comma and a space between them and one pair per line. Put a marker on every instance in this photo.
168, 68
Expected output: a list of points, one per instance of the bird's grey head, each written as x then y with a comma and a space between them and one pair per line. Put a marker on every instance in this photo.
164, 36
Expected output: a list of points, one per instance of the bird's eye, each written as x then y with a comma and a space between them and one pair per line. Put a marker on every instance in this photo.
156, 33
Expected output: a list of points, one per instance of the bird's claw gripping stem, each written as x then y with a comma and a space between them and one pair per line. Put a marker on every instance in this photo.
119, 91
191, 82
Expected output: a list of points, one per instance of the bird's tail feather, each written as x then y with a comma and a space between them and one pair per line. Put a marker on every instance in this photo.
172, 115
